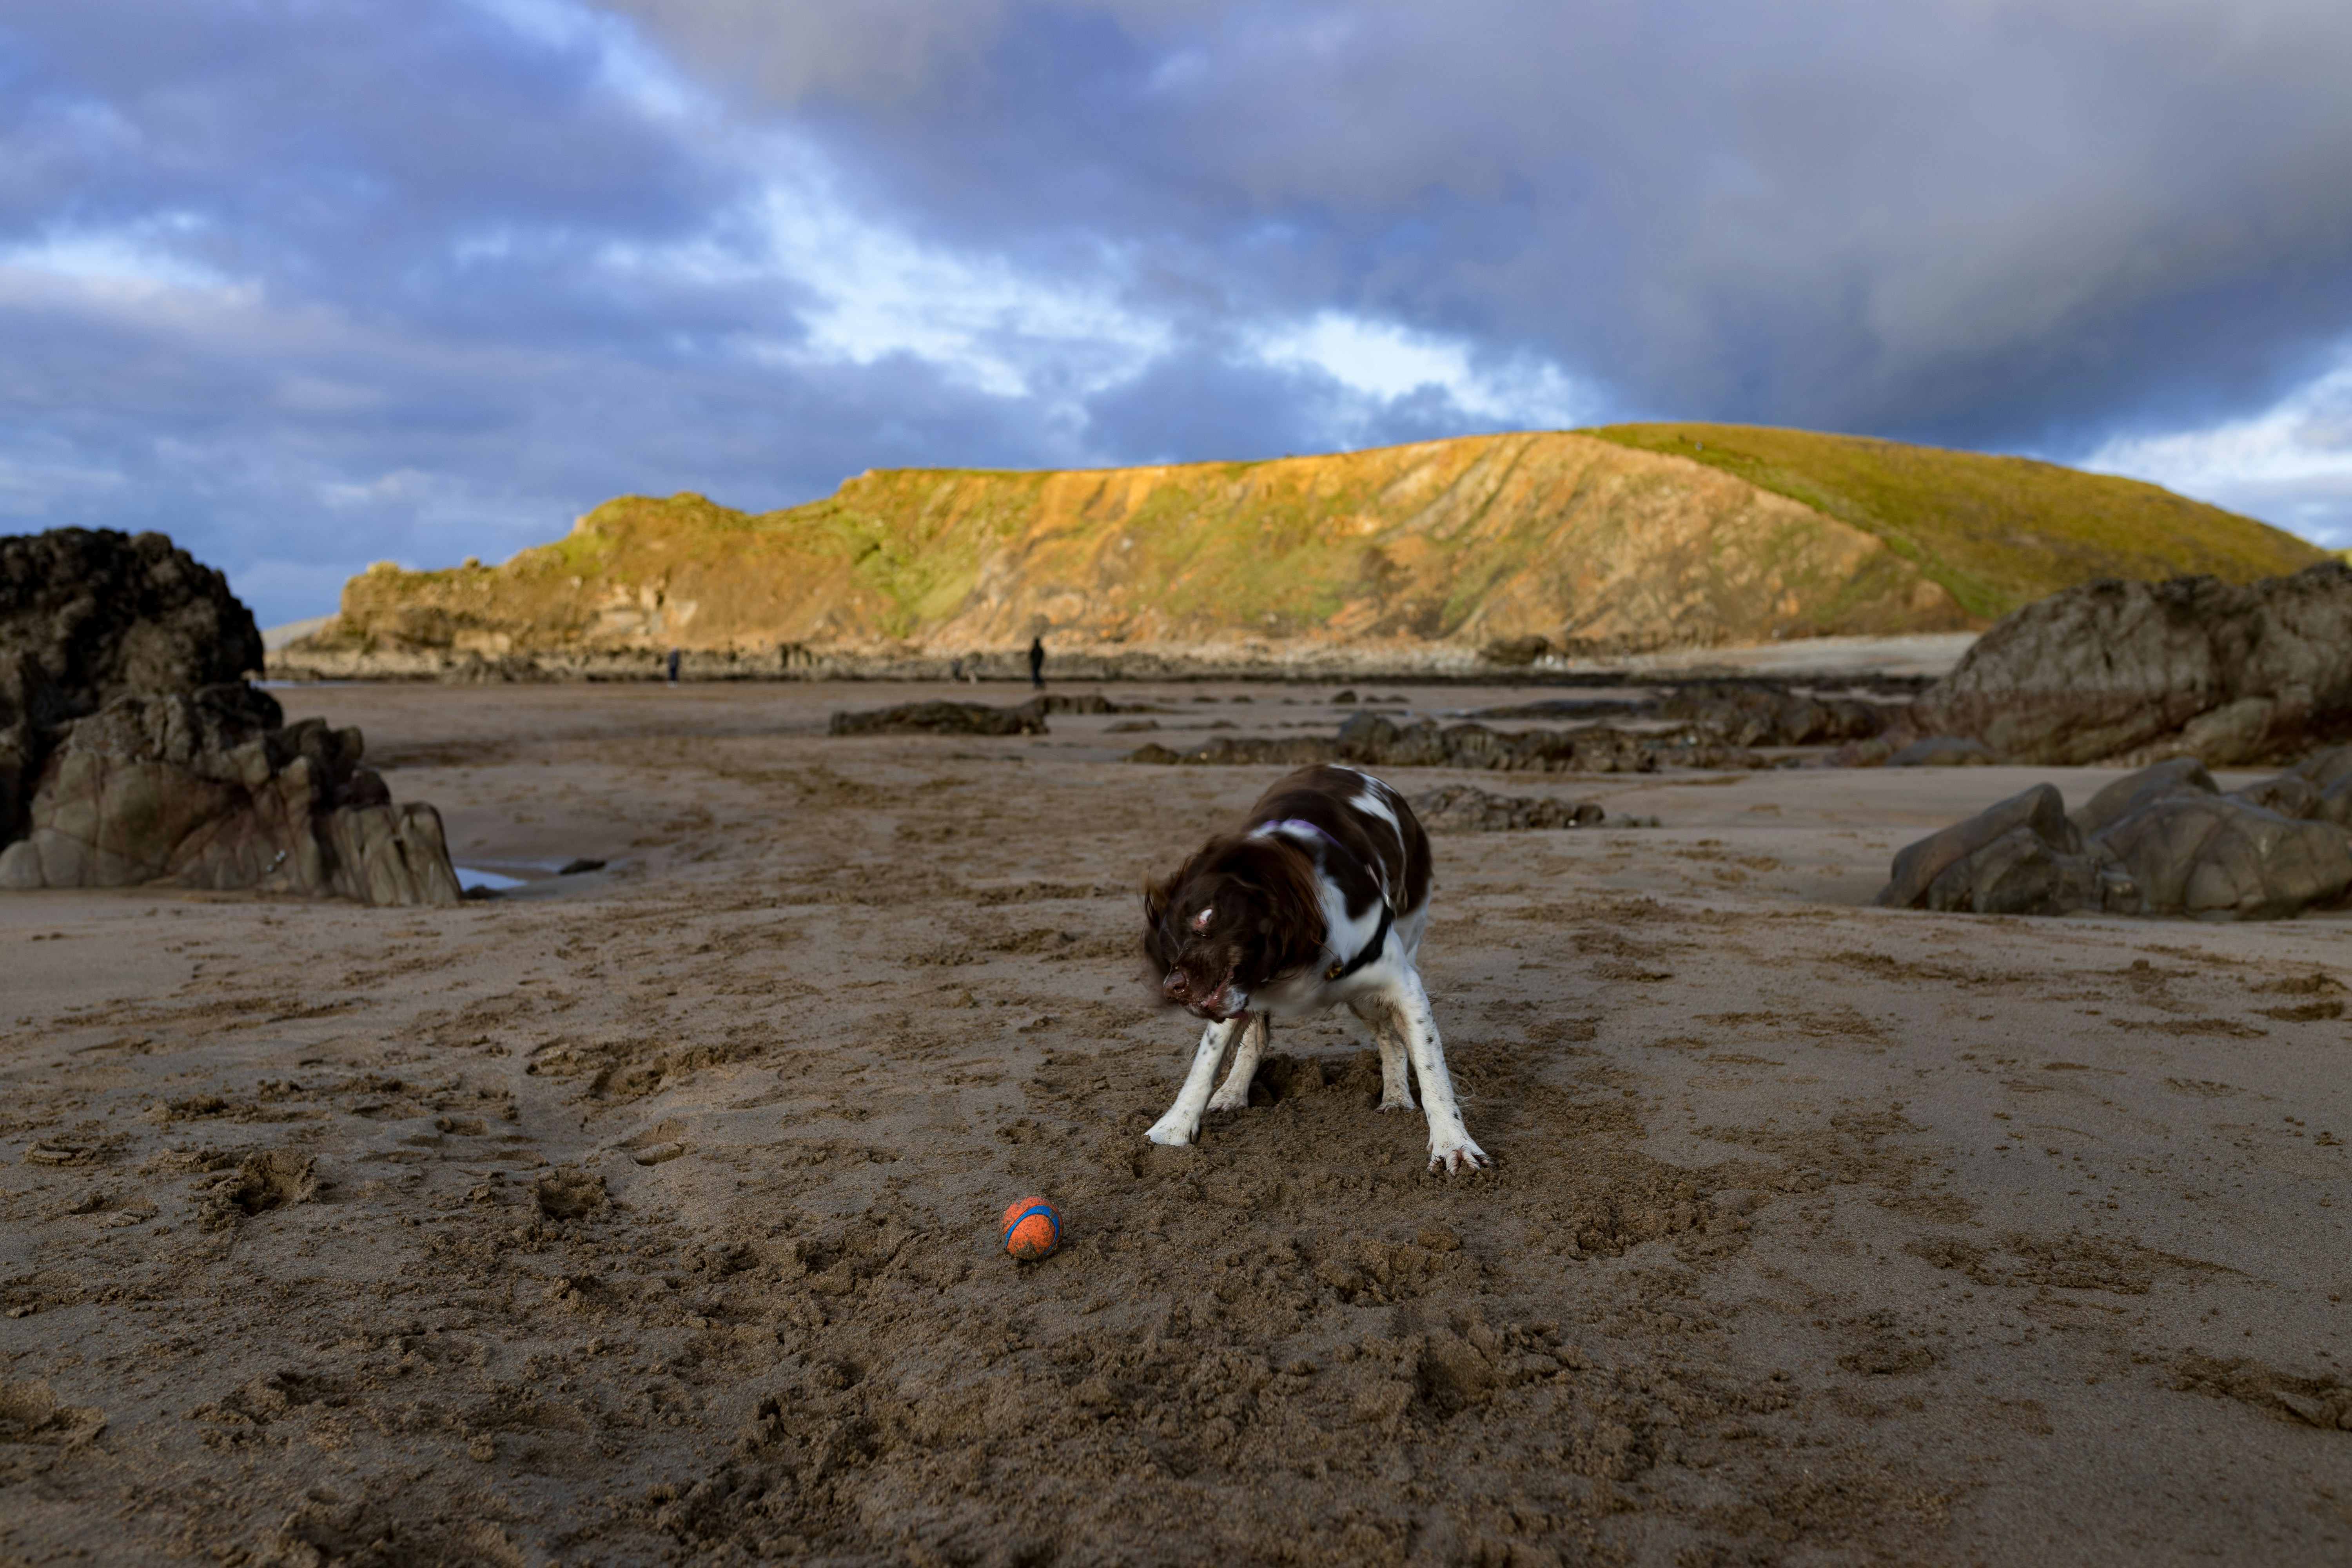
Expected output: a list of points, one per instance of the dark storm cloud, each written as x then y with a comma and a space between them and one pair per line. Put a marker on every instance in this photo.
1970, 220
352, 295
313, 282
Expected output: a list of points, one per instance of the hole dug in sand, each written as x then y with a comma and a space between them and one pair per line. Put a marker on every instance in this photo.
29, 1413
259, 1182
568, 1194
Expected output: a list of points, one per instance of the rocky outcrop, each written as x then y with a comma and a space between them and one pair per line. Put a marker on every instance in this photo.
1372, 741
206, 790
939, 717
86, 615
1767, 713
2136, 672
132, 751
99, 614
2161, 841
2022, 856
2220, 859
1466, 808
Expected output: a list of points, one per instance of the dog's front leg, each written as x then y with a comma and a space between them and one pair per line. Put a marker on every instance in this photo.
1183, 1118
1396, 1091
1449, 1141
1233, 1094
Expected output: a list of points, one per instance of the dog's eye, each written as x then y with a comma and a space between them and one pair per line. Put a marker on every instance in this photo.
1201, 921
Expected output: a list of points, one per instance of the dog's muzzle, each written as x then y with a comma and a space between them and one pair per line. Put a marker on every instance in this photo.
1218, 1005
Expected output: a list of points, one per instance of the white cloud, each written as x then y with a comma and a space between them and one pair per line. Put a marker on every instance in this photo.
877, 292
2290, 464
135, 258
1385, 361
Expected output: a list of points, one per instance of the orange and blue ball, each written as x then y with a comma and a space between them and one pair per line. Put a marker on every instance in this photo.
1032, 1228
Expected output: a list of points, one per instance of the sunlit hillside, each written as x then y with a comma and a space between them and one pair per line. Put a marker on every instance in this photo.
1627, 538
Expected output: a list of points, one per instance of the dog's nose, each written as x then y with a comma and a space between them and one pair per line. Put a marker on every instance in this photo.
1176, 984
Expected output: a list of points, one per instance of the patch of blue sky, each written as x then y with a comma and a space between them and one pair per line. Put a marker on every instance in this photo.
2289, 464
1385, 361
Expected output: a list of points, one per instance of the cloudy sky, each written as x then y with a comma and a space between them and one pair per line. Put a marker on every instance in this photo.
310, 283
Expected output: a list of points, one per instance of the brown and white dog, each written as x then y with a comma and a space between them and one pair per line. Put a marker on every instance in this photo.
1320, 899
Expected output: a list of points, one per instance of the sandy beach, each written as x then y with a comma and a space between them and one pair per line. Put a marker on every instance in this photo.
647, 1213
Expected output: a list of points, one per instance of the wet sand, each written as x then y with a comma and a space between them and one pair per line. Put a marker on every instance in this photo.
1819, 1233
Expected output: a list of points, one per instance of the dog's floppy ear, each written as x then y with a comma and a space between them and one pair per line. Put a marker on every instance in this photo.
1157, 945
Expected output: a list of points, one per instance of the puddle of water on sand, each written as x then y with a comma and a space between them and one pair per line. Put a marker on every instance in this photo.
470, 877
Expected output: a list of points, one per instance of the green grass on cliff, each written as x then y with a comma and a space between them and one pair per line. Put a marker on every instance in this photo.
1609, 534
1997, 532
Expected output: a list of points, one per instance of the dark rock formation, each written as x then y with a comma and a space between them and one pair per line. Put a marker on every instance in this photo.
87, 616
1289, 750
2223, 672
941, 718
977, 718
101, 615
1942, 859
1466, 808
1769, 714
1373, 741
2181, 776
1733, 712
206, 790
2161, 841
2219, 858
132, 750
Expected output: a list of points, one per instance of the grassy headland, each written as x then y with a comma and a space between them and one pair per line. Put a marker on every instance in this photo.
1996, 532
1627, 538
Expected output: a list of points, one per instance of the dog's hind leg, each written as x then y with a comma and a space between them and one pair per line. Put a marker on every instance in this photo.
1449, 1148
1233, 1095
1183, 1118
1396, 1091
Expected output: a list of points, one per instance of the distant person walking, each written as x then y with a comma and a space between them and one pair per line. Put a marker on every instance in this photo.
1037, 662
673, 667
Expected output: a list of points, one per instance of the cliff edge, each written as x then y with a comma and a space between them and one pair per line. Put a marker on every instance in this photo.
1492, 549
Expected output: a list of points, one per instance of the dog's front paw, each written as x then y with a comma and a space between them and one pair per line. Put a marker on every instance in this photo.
1169, 1130
1463, 1155
1404, 1104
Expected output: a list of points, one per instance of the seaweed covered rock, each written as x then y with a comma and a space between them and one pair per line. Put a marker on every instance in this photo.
1371, 739
1466, 808
208, 791
944, 718
1764, 713
937, 718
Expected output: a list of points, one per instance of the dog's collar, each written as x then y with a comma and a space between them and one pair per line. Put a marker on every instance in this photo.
1371, 948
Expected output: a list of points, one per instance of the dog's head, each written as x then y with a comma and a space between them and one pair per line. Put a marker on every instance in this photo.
1240, 914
